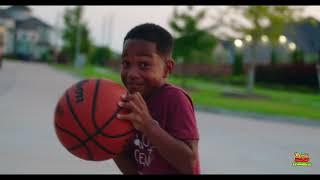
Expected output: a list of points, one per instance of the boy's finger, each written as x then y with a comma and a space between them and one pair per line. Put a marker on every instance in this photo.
123, 97
140, 98
126, 97
128, 105
125, 116
125, 105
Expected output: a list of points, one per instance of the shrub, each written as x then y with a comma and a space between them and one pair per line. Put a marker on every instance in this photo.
288, 74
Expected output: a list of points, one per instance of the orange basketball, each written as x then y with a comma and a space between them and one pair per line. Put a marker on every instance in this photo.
85, 120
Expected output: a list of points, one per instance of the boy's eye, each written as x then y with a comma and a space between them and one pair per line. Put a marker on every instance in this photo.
125, 64
143, 65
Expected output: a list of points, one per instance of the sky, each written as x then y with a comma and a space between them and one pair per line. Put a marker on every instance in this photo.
99, 18
122, 18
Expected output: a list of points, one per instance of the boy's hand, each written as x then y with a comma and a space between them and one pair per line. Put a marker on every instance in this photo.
138, 111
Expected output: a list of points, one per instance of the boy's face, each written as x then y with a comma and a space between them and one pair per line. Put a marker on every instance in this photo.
142, 69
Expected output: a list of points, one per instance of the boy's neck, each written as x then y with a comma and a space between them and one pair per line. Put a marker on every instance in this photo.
156, 91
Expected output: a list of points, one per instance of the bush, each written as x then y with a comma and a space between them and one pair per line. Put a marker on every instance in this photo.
288, 74
47, 57
9, 56
62, 58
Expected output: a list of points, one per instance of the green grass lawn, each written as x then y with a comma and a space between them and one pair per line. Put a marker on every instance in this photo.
210, 94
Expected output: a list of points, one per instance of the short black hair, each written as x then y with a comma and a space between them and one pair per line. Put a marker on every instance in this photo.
153, 33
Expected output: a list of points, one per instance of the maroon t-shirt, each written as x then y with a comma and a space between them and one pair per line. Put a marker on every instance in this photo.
173, 109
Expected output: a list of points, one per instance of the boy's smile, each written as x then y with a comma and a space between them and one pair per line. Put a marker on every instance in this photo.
142, 68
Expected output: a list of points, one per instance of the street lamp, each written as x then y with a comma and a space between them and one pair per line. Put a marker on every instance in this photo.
264, 39
248, 38
292, 46
282, 39
238, 43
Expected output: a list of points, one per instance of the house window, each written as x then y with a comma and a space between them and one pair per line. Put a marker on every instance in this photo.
22, 36
34, 37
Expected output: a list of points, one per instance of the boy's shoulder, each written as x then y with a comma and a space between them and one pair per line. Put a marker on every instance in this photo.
173, 93
173, 90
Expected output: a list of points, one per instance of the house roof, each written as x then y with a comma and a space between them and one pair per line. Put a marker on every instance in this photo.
31, 23
4, 14
23, 8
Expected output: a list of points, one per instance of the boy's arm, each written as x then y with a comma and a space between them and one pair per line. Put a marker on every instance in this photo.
181, 154
124, 163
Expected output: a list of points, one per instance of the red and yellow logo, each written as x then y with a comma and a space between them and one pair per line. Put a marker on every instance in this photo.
301, 159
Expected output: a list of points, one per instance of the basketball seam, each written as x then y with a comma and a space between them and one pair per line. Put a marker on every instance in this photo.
93, 112
107, 122
83, 143
75, 117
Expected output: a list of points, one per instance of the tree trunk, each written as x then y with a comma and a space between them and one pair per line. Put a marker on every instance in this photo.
15, 42
318, 68
273, 55
251, 70
318, 73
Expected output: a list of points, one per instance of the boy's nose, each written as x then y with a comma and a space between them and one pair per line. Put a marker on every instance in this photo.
133, 73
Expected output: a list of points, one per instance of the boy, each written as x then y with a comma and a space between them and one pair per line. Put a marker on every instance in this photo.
166, 141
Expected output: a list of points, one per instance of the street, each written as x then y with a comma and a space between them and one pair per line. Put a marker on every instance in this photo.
228, 144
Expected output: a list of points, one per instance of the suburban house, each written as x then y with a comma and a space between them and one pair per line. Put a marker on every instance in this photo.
23, 35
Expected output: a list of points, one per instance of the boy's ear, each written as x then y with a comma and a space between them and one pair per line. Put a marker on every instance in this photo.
169, 64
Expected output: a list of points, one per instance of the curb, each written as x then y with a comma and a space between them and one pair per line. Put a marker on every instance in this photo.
260, 116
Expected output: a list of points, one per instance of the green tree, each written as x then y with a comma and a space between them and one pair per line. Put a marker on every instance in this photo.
73, 24
263, 20
100, 55
191, 43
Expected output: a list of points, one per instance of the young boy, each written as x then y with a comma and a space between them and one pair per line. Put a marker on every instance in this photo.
166, 141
